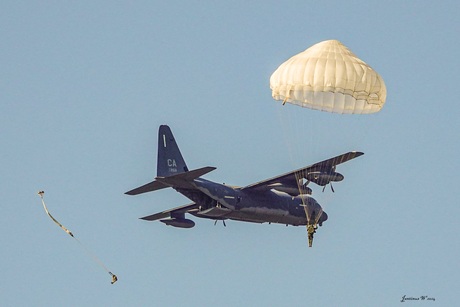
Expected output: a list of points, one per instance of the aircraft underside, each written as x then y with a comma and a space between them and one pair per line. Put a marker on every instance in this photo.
261, 215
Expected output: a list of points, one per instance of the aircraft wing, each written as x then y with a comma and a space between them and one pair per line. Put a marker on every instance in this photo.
290, 180
170, 212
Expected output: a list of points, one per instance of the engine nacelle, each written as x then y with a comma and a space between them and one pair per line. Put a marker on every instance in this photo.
179, 222
323, 178
295, 191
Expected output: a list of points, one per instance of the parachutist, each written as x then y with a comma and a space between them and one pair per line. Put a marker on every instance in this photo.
311, 229
114, 278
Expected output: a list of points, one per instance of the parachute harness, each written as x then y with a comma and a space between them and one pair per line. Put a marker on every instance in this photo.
86, 249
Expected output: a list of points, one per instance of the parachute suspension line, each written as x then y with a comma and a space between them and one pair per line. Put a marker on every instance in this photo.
299, 139
318, 216
293, 128
288, 95
97, 260
284, 121
86, 249
302, 191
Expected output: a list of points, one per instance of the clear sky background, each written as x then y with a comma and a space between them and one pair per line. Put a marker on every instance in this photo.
86, 84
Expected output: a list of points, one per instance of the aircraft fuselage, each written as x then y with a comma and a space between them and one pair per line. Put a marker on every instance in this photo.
283, 199
226, 202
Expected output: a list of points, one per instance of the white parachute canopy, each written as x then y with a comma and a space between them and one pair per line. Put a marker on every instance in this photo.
329, 77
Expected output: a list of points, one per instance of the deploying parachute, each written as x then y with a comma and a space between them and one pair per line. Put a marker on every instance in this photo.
329, 77
88, 251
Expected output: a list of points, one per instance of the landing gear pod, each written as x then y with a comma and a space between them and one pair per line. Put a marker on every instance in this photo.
179, 222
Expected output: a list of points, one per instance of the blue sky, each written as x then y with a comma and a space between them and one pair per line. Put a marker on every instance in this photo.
85, 86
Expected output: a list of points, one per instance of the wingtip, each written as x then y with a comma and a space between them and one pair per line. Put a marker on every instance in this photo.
147, 218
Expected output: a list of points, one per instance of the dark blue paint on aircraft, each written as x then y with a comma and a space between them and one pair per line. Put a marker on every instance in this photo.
285, 199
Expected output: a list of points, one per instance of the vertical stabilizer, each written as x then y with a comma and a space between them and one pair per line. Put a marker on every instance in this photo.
170, 161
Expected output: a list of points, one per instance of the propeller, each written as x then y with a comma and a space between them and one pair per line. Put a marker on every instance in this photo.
332, 188
223, 221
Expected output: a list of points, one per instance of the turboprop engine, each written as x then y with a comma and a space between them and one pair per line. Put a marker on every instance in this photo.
323, 178
295, 191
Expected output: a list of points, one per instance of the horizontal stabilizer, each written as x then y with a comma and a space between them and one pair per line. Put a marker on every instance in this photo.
149, 187
170, 212
183, 180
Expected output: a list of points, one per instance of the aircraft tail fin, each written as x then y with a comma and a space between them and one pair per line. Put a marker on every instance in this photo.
170, 161
171, 168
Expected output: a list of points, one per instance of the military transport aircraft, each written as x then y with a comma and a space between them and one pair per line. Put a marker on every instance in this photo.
285, 199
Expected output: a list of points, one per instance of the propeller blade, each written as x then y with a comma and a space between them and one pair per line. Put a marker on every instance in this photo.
215, 223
